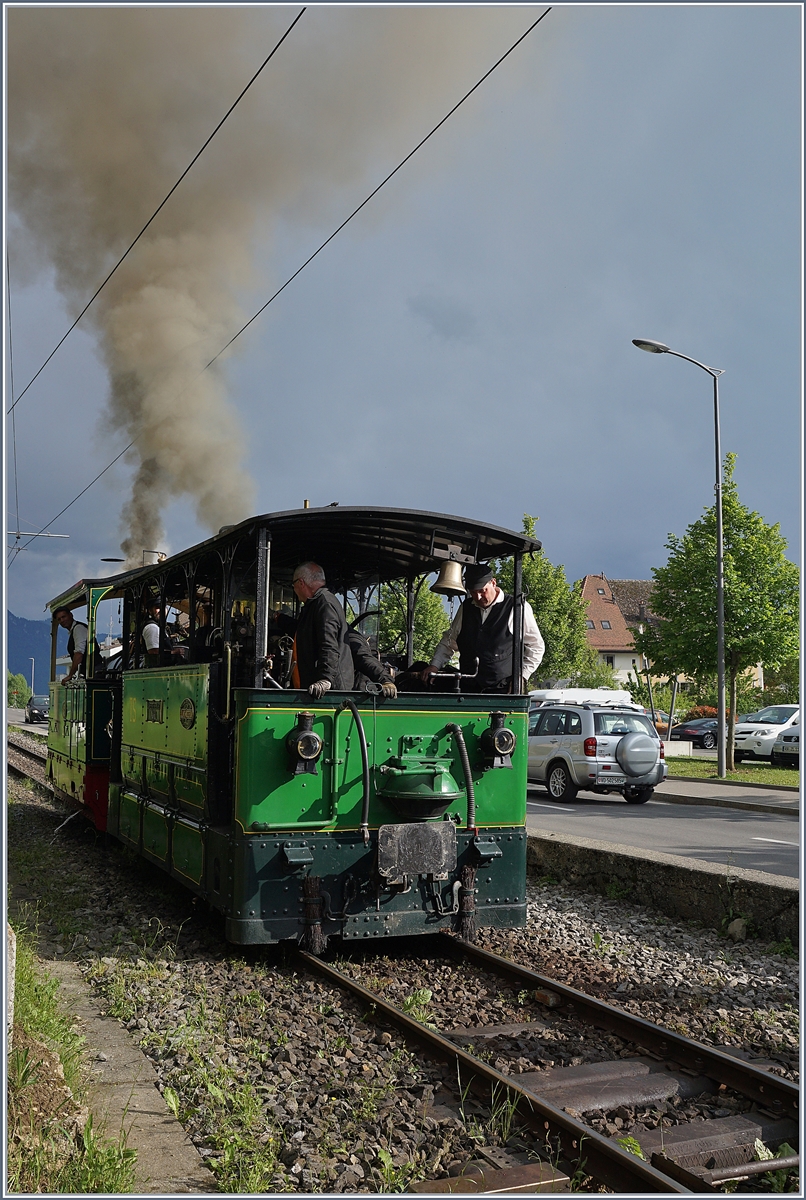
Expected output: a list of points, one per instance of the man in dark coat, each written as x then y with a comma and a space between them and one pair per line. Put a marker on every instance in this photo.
323, 657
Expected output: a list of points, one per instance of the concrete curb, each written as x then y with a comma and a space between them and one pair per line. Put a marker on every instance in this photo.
778, 810
740, 783
684, 888
124, 1095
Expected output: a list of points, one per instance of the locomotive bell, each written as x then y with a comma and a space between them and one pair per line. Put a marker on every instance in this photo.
449, 580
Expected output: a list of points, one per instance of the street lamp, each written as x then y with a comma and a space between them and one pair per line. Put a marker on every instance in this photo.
659, 348
33, 663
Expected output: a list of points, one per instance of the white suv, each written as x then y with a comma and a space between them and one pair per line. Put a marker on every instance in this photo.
786, 747
596, 747
755, 738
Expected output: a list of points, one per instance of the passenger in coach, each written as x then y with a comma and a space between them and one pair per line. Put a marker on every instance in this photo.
483, 629
76, 643
368, 665
158, 646
322, 657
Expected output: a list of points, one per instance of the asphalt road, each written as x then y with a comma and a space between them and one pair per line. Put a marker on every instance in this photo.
755, 841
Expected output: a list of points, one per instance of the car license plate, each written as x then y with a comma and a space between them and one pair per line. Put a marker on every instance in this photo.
790, 749
610, 780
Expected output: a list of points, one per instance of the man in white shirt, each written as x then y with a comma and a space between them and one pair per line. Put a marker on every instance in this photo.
76, 643
482, 631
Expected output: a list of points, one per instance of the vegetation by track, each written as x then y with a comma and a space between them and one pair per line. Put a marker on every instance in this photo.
286, 1084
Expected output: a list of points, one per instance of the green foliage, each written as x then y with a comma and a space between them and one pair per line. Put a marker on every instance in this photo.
430, 619
560, 613
45, 1156
418, 1005
631, 1146
761, 597
593, 673
776, 1180
19, 692
782, 683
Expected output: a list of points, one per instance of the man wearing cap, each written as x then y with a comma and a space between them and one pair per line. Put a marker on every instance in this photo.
322, 657
482, 631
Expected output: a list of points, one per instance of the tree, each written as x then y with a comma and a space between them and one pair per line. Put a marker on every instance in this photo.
761, 598
430, 619
19, 692
559, 610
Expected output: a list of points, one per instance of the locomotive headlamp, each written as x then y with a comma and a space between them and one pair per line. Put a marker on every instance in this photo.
498, 742
303, 745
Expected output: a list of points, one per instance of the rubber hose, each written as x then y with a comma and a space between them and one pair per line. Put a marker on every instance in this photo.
471, 795
362, 741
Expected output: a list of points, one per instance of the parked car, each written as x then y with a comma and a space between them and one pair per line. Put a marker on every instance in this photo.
596, 747
786, 747
755, 738
37, 709
702, 731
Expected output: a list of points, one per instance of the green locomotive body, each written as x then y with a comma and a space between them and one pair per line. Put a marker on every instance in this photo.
355, 815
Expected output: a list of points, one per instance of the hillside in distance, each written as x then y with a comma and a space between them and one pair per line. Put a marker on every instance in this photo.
27, 640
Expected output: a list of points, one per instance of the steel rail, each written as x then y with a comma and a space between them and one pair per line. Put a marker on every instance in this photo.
778, 1096
602, 1158
34, 752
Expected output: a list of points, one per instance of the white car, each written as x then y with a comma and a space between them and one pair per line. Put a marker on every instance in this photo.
786, 747
755, 738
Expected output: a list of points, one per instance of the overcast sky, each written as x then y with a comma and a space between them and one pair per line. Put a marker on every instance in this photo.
464, 345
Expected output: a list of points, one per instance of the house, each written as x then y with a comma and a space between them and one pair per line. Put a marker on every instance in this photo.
616, 606
613, 607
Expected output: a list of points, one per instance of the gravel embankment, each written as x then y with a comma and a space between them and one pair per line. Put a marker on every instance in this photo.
285, 1084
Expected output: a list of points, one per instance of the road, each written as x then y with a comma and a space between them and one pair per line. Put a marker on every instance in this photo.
755, 841
758, 841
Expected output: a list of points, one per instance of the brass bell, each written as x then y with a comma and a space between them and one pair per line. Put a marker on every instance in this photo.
449, 580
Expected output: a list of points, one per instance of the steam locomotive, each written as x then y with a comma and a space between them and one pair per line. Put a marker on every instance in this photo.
356, 815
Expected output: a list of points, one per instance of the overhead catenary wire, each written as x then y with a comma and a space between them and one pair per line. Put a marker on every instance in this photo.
311, 257
15, 549
383, 182
156, 212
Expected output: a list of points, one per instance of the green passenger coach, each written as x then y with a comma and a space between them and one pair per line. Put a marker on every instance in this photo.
356, 815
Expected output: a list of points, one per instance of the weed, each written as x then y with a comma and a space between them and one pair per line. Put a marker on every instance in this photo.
417, 1006
617, 891
397, 1177
631, 1146
777, 1180
523, 996
21, 1071
784, 948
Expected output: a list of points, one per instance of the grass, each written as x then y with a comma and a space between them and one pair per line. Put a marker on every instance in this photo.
746, 772
50, 1153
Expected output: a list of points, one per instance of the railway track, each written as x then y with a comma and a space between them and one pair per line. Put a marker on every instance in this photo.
27, 760
695, 1156
555, 1104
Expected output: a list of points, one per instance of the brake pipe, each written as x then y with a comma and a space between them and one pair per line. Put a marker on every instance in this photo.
471, 795
362, 741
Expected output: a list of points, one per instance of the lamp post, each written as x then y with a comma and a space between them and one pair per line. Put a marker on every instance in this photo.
714, 372
33, 664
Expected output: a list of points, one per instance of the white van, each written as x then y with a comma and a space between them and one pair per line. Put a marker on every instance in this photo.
607, 696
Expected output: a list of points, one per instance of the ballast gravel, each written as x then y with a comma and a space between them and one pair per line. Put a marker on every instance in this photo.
285, 1084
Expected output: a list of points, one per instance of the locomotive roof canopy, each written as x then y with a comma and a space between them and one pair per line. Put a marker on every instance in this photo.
351, 543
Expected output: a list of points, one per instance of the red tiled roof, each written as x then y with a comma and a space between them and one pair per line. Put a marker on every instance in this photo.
604, 608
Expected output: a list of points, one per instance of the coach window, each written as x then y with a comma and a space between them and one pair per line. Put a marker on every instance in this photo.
207, 615
242, 609
177, 614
